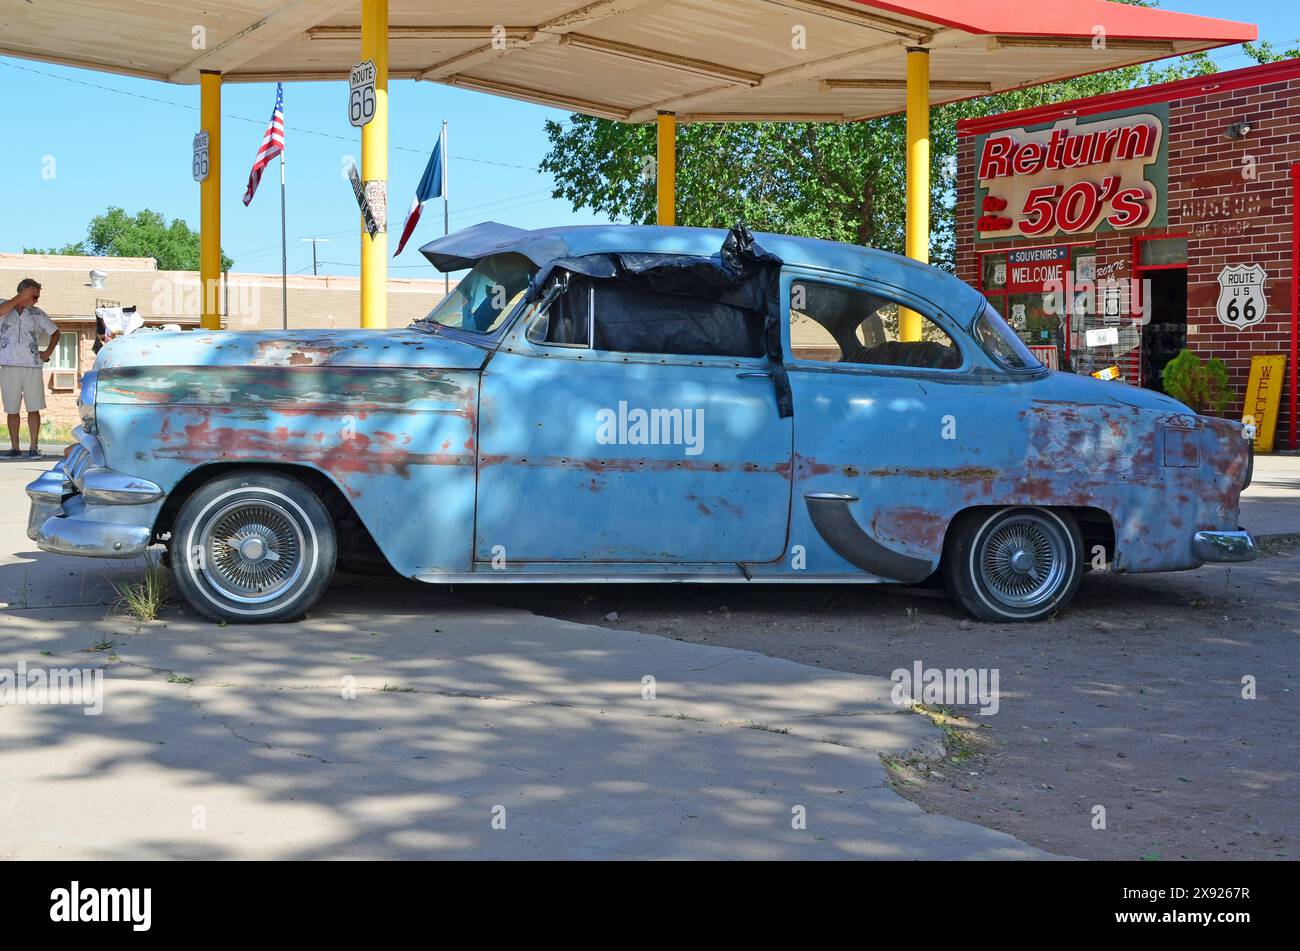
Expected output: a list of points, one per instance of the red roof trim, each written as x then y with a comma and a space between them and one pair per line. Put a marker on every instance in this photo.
1144, 96
1069, 18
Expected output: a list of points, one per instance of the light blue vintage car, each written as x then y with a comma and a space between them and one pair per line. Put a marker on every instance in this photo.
641, 404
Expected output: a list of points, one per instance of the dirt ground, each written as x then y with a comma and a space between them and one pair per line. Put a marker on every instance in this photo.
1131, 699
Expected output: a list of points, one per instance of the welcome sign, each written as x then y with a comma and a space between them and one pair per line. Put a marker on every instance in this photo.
1072, 177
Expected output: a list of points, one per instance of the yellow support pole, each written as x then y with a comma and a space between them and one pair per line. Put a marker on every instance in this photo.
374, 169
666, 168
210, 203
917, 240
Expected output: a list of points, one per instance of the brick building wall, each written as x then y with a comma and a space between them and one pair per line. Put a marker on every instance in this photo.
61, 404
1229, 216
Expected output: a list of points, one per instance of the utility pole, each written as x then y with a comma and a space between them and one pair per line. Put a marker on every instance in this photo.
314, 242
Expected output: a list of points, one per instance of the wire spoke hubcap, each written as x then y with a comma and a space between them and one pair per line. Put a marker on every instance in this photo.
254, 551
1023, 561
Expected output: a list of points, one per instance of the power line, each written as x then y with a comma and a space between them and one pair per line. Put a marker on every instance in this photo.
501, 201
495, 211
259, 122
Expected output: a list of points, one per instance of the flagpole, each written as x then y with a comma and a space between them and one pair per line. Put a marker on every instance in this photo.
284, 253
446, 214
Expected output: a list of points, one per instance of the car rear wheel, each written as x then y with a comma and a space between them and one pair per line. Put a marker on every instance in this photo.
1013, 564
253, 546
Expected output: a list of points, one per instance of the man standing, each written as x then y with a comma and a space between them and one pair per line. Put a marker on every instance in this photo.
21, 380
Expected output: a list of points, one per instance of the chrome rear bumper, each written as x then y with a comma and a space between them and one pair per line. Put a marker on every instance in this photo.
1224, 546
81, 507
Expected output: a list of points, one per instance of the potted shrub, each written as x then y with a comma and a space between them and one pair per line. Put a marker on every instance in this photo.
1200, 384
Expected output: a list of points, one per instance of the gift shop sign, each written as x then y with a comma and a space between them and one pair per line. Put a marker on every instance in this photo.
1072, 177
1034, 269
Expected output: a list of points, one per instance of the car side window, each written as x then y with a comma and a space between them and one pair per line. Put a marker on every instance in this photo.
635, 320
567, 321
831, 323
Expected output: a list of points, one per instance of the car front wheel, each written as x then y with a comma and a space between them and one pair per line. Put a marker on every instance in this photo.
253, 546
1013, 564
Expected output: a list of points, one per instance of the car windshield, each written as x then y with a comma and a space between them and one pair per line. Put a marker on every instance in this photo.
486, 296
1001, 343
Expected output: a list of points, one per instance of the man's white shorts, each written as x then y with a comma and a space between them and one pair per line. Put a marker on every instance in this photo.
25, 384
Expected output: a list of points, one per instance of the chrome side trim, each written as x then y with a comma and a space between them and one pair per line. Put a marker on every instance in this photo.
1224, 546
117, 488
37, 515
91, 445
79, 536
79, 507
488, 576
79, 527
50, 487
836, 525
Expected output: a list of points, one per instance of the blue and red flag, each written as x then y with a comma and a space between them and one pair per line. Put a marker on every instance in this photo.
431, 186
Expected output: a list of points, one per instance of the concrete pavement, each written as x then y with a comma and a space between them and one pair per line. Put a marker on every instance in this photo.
1271, 506
403, 722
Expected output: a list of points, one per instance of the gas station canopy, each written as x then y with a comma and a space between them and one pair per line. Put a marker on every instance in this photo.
704, 60
632, 60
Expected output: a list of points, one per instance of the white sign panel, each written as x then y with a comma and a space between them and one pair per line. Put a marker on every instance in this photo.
361, 93
1102, 337
199, 167
1110, 303
1242, 302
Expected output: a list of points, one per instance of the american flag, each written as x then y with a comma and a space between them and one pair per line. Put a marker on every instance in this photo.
272, 144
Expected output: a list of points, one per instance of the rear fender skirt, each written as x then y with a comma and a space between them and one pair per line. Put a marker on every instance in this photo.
836, 525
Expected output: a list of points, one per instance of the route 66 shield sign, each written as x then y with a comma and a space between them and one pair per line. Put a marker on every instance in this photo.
361, 93
1242, 302
199, 164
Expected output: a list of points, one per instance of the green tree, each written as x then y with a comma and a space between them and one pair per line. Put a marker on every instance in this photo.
146, 234
77, 247
1264, 52
840, 181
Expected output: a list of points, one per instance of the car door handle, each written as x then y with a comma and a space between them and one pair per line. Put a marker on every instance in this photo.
754, 375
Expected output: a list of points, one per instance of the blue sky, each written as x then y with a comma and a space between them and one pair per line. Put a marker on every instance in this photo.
121, 141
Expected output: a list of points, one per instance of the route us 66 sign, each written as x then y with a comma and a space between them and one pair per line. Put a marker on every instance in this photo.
1242, 302
361, 93
200, 164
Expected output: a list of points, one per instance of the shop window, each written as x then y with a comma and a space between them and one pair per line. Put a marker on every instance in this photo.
628, 319
830, 323
1072, 318
993, 275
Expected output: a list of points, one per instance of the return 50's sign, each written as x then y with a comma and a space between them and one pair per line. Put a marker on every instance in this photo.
1076, 176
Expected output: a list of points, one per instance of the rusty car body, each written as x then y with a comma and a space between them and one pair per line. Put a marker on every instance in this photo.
641, 404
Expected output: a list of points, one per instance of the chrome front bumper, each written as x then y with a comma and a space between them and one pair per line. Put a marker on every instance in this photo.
1224, 546
81, 507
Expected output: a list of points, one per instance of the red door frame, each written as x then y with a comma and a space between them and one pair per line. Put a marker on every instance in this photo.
1139, 269
1295, 291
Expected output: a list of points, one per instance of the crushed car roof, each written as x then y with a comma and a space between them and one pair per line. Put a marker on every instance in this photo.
541, 246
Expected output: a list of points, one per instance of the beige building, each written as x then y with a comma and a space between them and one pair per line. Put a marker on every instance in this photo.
70, 293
